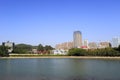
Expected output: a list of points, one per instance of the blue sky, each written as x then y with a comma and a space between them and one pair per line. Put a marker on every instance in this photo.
53, 21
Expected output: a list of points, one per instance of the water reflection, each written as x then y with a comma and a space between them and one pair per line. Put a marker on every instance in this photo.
59, 69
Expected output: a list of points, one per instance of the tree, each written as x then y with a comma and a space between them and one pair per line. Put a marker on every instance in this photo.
94, 52
119, 48
3, 51
110, 45
40, 47
76, 52
48, 47
22, 48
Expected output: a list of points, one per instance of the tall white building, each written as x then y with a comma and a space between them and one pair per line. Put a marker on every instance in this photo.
77, 39
85, 43
115, 42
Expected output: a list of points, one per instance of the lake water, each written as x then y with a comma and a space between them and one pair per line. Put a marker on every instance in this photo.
59, 69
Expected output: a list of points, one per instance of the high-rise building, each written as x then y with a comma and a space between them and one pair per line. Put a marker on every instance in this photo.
77, 39
115, 42
85, 43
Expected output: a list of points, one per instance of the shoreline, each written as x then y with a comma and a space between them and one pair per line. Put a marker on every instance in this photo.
77, 57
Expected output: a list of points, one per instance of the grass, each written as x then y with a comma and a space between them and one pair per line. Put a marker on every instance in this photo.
33, 55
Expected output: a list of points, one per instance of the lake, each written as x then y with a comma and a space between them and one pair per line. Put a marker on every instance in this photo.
59, 69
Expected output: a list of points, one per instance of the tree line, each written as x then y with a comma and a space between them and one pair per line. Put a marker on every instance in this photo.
25, 48
94, 52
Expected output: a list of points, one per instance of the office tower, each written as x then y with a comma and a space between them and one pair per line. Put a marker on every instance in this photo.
115, 42
77, 39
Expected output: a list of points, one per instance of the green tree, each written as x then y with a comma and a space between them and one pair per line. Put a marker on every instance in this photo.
22, 48
48, 47
40, 47
3, 51
76, 52
119, 48
94, 52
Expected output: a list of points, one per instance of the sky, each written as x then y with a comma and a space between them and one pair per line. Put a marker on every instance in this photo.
50, 22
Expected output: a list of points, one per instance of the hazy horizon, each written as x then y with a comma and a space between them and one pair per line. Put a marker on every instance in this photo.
50, 22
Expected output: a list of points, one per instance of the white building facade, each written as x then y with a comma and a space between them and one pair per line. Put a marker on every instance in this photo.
10, 46
59, 52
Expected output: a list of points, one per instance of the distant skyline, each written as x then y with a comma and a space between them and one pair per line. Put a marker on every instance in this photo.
50, 22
